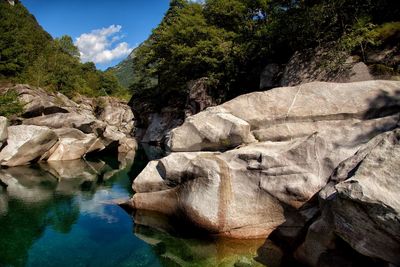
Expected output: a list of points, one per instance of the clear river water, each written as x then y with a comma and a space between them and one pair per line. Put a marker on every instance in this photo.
63, 214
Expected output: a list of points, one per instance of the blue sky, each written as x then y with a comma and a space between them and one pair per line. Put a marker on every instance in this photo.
104, 31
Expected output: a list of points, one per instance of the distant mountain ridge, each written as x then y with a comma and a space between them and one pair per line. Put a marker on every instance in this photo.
124, 70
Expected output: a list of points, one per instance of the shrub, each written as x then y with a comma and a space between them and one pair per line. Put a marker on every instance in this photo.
9, 104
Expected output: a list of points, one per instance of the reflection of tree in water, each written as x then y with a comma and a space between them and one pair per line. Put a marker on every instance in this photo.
37, 201
24, 223
63, 215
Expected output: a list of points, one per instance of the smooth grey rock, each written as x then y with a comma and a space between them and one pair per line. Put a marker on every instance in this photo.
366, 210
26, 143
360, 205
72, 148
85, 123
3, 130
37, 101
116, 113
210, 130
286, 113
277, 174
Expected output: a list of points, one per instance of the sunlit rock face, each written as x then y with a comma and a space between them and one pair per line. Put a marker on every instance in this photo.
289, 112
80, 127
277, 150
363, 208
26, 143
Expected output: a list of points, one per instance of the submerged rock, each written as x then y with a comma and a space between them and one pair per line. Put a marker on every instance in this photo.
176, 247
26, 184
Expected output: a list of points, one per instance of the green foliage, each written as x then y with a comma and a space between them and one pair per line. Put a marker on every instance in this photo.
21, 39
9, 104
230, 41
124, 71
28, 54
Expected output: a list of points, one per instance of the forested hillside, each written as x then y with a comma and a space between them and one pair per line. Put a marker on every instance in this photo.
28, 54
230, 41
123, 71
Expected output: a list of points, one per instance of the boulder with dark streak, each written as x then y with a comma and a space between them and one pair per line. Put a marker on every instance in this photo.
275, 151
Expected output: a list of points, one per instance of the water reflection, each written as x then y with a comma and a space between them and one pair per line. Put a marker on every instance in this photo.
63, 214
39, 201
176, 245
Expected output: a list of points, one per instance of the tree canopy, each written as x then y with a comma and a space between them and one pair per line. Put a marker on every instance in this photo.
230, 41
28, 54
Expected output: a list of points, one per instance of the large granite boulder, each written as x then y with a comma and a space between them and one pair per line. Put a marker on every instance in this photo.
363, 209
37, 101
366, 208
210, 130
216, 191
73, 144
284, 145
86, 123
26, 143
116, 113
3, 130
290, 112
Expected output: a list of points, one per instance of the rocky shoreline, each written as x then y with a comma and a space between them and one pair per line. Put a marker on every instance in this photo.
315, 165
53, 127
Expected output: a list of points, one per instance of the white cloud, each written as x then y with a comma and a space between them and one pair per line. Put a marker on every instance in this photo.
101, 45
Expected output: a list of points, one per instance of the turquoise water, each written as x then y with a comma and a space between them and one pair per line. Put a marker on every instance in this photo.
63, 214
